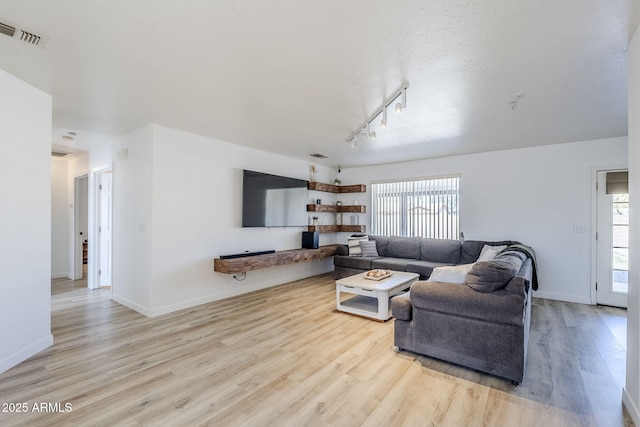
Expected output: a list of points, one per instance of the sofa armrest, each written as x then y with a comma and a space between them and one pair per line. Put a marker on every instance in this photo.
521, 282
401, 306
460, 300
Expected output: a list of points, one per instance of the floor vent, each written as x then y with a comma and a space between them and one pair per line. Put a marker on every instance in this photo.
23, 35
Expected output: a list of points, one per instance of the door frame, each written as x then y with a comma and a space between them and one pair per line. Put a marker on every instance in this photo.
594, 222
93, 279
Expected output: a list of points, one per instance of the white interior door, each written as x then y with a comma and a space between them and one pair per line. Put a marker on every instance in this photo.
104, 228
612, 245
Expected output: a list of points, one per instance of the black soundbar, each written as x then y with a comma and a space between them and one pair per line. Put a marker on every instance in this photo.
243, 254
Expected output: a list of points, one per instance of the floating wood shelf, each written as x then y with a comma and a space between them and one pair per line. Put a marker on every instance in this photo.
337, 189
337, 228
336, 208
238, 265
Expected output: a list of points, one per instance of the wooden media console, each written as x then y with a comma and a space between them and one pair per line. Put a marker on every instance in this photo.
291, 256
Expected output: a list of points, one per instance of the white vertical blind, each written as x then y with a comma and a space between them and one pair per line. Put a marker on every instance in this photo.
426, 207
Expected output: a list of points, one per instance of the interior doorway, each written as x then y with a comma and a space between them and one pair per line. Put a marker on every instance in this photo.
81, 227
612, 237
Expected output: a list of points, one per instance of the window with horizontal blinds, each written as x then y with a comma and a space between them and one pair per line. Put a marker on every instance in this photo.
426, 207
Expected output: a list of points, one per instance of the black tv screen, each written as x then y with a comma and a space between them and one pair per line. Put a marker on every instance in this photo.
273, 201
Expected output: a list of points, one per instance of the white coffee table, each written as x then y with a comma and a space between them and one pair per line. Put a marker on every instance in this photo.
372, 297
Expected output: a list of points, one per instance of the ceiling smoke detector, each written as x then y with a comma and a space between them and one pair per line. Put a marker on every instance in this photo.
23, 35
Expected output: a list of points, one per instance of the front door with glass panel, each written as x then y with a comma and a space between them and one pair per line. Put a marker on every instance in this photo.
612, 234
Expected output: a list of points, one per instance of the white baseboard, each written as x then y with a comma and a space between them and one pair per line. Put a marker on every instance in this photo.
562, 297
132, 305
631, 407
60, 276
25, 353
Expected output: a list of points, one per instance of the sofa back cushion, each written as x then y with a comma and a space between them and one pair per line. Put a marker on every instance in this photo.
382, 242
440, 250
489, 276
405, 247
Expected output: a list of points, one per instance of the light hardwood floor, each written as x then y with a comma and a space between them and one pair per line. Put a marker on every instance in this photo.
283, 357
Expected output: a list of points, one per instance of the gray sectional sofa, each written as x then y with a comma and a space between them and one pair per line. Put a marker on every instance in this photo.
411, 254
480, 322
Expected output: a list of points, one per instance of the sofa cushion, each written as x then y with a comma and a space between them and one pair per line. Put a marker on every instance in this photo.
489, 276
368, 249
362, 263
471, 249
382, 242
354, 245
450, 273
408, 247
440, 250
397, 264
423, 268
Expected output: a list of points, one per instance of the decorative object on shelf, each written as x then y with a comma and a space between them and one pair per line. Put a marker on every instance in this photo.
339, 218
312, 173
354, 220
315, 220
356, 203
318, 201
365, 128
338, 203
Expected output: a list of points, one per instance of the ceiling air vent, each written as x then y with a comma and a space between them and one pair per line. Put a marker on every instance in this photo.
23, 35
59, 153
319, 156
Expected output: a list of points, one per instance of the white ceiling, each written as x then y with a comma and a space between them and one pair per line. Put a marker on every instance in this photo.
298, 77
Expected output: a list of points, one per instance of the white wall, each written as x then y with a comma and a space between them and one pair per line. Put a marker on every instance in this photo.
177, 206
25, 246
60, 226
132, 221
631, 393
533, 195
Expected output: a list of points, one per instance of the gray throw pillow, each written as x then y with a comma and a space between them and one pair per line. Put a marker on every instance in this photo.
489, 276
368, 249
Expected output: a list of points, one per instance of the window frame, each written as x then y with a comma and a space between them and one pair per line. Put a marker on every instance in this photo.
436, 193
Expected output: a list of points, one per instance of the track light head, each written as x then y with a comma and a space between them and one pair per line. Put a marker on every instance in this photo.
398, 108
372, 135
383, 123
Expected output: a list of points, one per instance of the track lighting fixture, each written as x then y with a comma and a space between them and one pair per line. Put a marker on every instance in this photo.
365, 129
402, 105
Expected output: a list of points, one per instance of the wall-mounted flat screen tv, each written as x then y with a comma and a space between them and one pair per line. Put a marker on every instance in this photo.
273, 201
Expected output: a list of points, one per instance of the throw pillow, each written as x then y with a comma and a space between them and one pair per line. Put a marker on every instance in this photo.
489, 252
354, 245
368, 249
489, 276
450, 273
